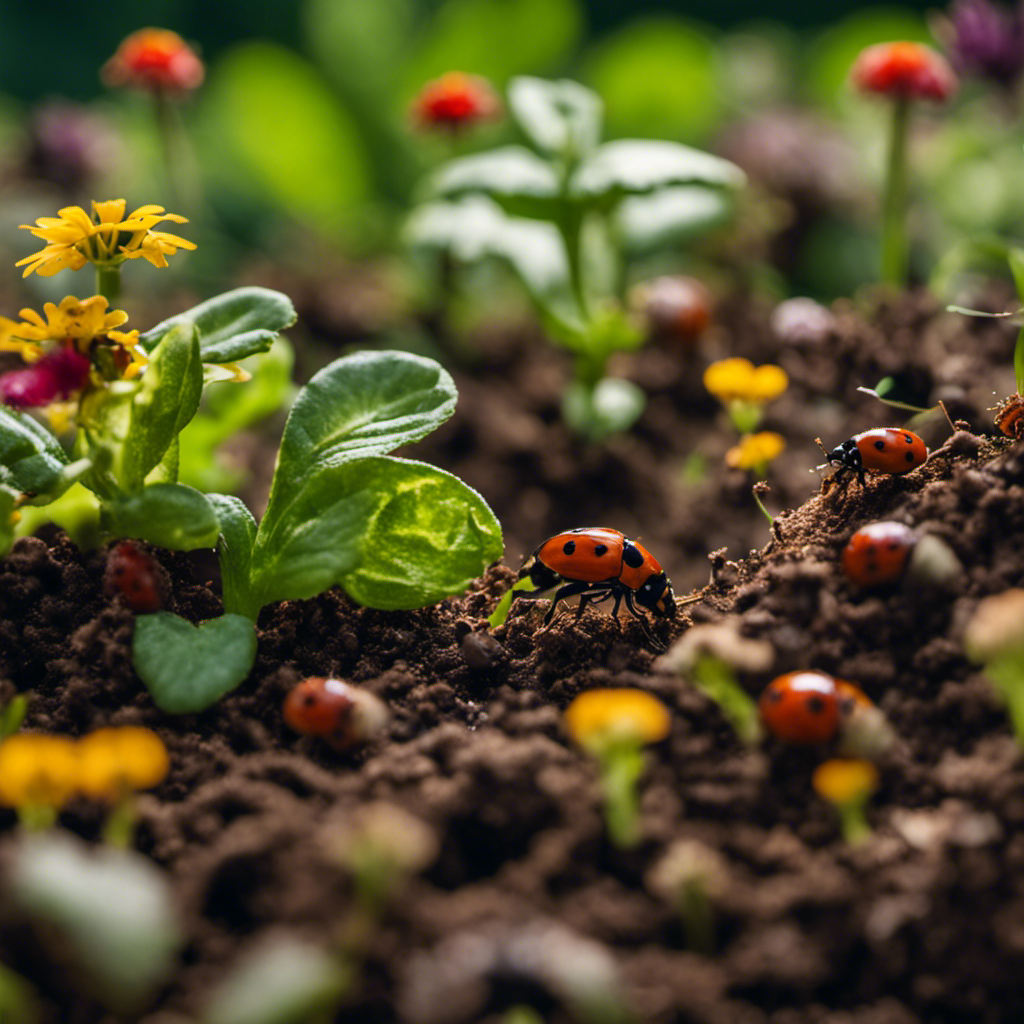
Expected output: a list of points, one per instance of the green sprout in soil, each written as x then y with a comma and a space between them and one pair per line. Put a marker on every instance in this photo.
995, 638
848, 785
903, 72
562, 213
614, 726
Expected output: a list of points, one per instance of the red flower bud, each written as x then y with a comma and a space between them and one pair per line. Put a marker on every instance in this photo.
904, 70
155, 59
455, 100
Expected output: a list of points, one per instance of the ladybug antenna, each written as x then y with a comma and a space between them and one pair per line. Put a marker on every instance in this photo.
828, 460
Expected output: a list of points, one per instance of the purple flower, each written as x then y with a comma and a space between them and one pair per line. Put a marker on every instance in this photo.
985, 41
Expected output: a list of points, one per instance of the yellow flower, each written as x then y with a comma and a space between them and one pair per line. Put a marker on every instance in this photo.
601, 718
37, 771
107, 238
844, 782
755, 450
738, 380
83, 323
115, 762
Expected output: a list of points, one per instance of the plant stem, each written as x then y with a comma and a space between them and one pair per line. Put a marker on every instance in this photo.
853, 822
894, 212
108, 283
621, 769
182, 174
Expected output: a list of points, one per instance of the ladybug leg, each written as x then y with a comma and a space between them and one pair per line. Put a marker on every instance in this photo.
595, 596
652, 640
569, 590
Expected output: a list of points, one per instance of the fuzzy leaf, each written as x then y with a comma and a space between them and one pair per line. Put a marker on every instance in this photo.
562, 119
233, 325
187, 668
169, 515
31, 459
285, 981
113, 908
393, 533
670, 215
234, 549
166, 400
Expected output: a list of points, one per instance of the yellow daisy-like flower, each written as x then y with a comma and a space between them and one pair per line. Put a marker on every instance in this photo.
107, 238
600, 718
738, 380
115, 762
755, 450
79, 322
37, 770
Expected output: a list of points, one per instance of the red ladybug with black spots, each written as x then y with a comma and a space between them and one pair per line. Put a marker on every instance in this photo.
882, 450
596, 563
133, 573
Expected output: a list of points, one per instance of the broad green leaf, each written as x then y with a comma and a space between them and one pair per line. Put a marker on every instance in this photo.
166, 400
231, 326
638, 166
8, 517
494, 38
520, 181
367, 403
670, 215
32, 456
476, 228
76, 512
284, 981
430, 538
393, 533
234, 549
561, 118
113, 908
168, 515
658, 78
269, 122
187, 668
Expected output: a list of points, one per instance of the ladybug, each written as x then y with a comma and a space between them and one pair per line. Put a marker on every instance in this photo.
877, 554
596, 563
801, 708
338, 712
882, 450
133, 573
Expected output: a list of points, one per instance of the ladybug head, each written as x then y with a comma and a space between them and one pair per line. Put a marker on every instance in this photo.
845, 454
656, 594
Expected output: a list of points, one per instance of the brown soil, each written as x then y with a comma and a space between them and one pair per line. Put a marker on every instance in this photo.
920, 924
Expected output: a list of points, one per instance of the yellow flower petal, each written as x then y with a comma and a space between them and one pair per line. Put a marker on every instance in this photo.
598, 718
768, 382
37, 770
755, 450
738, 380
109, 211
844, 782
115, 762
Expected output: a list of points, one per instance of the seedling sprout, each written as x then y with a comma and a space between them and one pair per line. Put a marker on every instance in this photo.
848, 785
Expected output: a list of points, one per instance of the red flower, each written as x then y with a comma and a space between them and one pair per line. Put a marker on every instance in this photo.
155, 59
455, 100
905, 70
56, 376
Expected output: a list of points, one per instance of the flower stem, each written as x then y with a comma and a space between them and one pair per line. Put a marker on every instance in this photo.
894, 212
621, 770
108, 282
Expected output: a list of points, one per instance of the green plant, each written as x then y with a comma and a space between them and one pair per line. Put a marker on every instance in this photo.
393, 533
564, 215
995, 638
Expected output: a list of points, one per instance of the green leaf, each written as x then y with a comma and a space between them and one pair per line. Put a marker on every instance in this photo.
270, 124
393, 533
76, 511
113, 907
168, 515
187, 668
561, 118
8, 518
671, 215
11, 718
638, 166
234, 549
1018, 363
520, 181
31, 455
231, 326
658, 77
367, 403
611, 407
166, 400
476, 228
285, 981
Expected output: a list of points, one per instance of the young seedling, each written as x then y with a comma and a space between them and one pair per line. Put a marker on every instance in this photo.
614, 726
848, 785
38, 775
995, 638
564, 215
691, 876
904, 73
710, 657
113, 765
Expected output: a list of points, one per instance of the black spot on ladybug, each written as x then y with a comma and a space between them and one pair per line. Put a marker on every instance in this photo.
908, 439
870, 550
569, 547
601, 549
632, 557
909, 456
815, 704
309, 700
774, 696
880, 445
